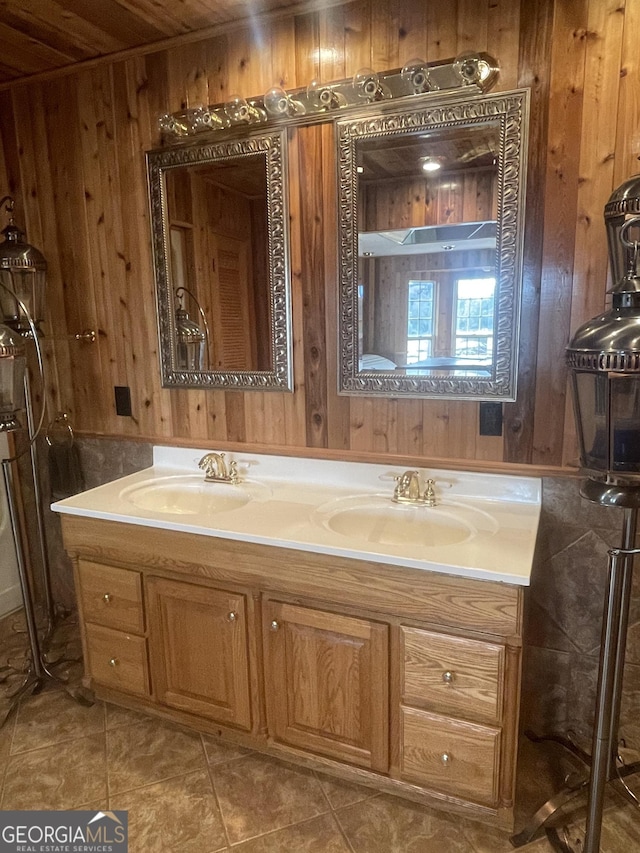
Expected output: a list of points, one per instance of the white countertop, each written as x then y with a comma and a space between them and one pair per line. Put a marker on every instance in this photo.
485, 525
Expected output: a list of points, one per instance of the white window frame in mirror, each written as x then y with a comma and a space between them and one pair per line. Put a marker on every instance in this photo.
510, 110
272, 146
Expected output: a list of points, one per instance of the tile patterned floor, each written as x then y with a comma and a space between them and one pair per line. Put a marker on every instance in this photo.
191, 793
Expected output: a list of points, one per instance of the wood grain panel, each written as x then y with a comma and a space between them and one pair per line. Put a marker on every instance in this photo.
327, 683
452, 756
452, 675
444, 600
72, 151
207, 671
111, 597
117, 660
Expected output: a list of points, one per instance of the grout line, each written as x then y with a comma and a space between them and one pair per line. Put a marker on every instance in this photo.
214, 791
279, 829
336, 817
333, 813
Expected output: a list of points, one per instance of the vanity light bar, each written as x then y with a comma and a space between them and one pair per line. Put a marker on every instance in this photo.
468, 73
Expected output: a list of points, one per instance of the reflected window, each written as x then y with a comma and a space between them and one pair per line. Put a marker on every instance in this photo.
474, 317
420, 323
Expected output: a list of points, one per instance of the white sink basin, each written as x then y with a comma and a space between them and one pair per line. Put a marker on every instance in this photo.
378, 519
191, 495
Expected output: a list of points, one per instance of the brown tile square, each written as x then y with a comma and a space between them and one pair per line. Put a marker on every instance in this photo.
258, 794
340, 793
179, 814
383, 824
318, 835
217, 751
117, 716
57, 777
150, 751
53, 717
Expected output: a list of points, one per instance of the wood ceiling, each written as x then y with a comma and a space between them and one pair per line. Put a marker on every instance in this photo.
42, 36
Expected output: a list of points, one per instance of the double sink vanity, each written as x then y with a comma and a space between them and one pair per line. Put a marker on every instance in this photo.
356, 618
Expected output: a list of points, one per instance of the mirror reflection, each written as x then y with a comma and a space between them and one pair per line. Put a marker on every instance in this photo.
434, 284
220, 254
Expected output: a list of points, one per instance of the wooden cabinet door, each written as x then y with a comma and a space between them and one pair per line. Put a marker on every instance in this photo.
326, 683
198, 645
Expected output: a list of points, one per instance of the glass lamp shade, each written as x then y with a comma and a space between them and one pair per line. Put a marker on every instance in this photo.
191, 342
12, 370
23, 274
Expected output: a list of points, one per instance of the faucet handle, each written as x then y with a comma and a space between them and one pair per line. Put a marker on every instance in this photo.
430, 493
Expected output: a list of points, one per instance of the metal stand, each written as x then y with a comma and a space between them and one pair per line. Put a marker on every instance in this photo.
39, 668
602, 760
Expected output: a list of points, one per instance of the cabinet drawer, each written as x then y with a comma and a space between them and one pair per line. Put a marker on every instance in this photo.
118, 660
111, 596
451, 756
452, 675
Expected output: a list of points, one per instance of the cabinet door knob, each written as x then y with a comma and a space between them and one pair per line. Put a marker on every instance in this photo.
113, 662
274, 625
107, 598
448, 677
232, 616
446, 758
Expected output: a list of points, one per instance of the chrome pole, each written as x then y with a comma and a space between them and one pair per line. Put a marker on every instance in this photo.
25, 583
610, 675
37, 495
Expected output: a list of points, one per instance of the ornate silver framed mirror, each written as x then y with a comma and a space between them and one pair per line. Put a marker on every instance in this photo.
220, 244
431, 209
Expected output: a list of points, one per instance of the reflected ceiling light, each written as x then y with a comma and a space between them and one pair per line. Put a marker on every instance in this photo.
360, 170
430, 164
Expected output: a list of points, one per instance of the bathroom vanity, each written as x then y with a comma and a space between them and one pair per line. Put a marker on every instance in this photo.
302, 612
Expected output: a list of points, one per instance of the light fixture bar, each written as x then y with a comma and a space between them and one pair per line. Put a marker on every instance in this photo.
473, 73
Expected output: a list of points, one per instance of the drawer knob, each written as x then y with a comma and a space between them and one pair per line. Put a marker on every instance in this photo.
107, 598
275, 625
232, 616
446, 758
113, 662
448, 677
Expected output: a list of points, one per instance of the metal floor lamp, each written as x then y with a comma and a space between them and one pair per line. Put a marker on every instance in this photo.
604, 362
22, 279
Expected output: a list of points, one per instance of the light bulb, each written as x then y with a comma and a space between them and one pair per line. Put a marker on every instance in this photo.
416, 74
366, 83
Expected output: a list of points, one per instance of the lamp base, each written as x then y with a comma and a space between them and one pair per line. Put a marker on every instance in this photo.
611, 494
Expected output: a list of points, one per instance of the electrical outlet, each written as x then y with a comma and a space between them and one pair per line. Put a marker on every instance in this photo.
123, 400
490, 418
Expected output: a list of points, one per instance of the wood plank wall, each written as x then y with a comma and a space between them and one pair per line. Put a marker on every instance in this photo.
72, 151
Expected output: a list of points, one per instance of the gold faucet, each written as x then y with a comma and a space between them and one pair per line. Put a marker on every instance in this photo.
408, 491
215, 469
